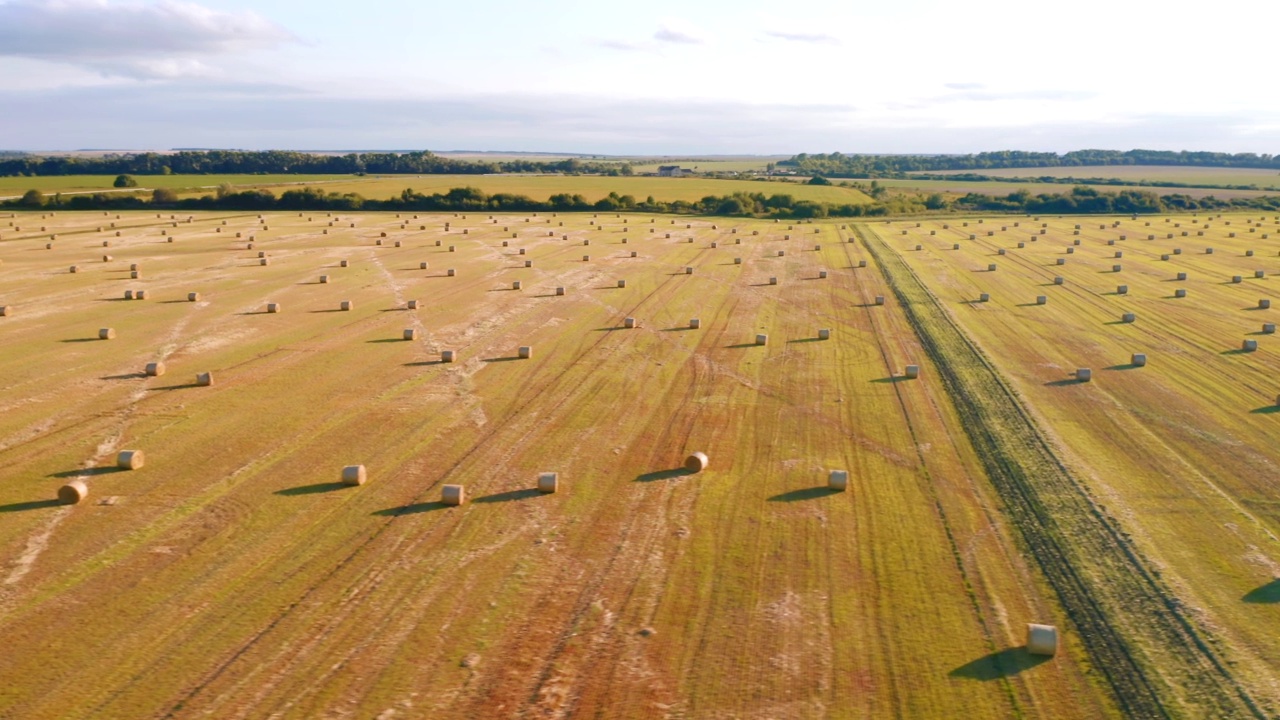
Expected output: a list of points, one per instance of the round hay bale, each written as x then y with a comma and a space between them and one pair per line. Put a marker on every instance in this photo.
344, 263
73, 492
782, 253
1180, 293
128, 294
822, 274
696, 462
346, 305
762, 339
955, 246
524, 352
193, 297
324, 279
273, 307
1122, 289
1128, 317
106, 334
454, 495
622, 283
862, 263
1115, 268
1061, 261
528, 263
773, 281
412, 305
629, 322
204, 379
6, 310
911, 372
824, 334
688, 270
140, 295
1042, 639
838, 480
448, 356
1058, 280
1042, 299
560, 291
991, 267
635, 254
155, 369
1119, 253
1181, 276
74, 269
354, 475
1001, 251
548, 482
737, 261
1084, 374
695, 323
1138, 360
1237, 278
130, 459
984, 297
422, 266
879, 300
1259, 274
451, 272
1264, 304
410, 334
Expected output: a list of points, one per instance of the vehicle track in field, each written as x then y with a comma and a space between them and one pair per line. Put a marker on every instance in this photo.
1107, 589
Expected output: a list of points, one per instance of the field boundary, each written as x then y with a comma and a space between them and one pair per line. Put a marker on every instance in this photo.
1136, 631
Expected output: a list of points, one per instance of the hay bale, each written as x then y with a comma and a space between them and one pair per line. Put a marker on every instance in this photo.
74, 269
155, 369
410, 334
1058, 280
696, 463
1259, 274
140, 295
274, 307
1268, 328
762, 339
695, 324
984, 297
629, 322
879, 300
1180, 293
344, 263
451, 273
862, 263
548, 482
1084, 374
1237, 279
73, 492
354, 475
773, 281
135, 275
448, 356
324, 279
1177, 251
782, 253
1042, 299
346, 305
1061, 261
822, 274
1021, 245
1138, 360
1042, 639
525, 352
204, 379
1264, 304
454, 495
824, 334
1181, 276
991, 267
130, 459
918, 248
1115, 268
622, 283
453, 248
838, 480
1208, 251
1119, 253
412, 304
106, 334
1001, 251
1248, 253
560, 291
955, 246
1249, 345
1128, 317
737, 261
128, 294
635, 254
528, 263
1164, 257
6, 310
1071, 251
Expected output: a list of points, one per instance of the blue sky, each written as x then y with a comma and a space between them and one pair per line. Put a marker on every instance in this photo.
700, 76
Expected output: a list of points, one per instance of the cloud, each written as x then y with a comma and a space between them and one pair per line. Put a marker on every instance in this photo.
144, 39
626, 45
678, 31
804, 37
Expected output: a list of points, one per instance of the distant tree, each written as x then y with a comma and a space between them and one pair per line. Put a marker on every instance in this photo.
819, 180
166, 170
164, 196
125, 181
935, 202
32, 198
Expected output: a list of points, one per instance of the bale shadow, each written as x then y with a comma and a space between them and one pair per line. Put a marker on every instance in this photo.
330, 310
677, 329
87, 472
312, 489
998, 665
546, 295
1265, 410
1236, 351
411, 509
657, 475
1116, 322
891, 379
29, 505
425, 363
173, 302
115, 299
811, 493
126, 376
501, 359
1254, 307
509, 496
743, 345
1264, 594
611, 329
804, 340
1062, 383
79, 340
1123, 366
394, 310
386, 340
1030, 304
183, 386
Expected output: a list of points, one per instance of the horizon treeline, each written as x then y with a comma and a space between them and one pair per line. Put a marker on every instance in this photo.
868, 166
1080, 200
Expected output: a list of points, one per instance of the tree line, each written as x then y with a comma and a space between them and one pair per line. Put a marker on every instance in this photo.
283, 162
867, 166
1080, 200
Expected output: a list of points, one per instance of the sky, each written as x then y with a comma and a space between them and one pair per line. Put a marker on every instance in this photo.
655, 78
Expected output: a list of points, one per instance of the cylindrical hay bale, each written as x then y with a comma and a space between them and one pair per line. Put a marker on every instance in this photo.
773, 281
344, 263
135, 275
273, 307
130, 459
1248, 253
264, 261
517, 285
439, 243
155, 369
879, 299
782, 253
838, 480
1119, 253
911, 371
1164, 257
193, 297
548, 482
73, 492
261, 254
1042, 299
635, 254
1208, 251
422, 266
1062, 261
1237, 279
1001, 251
1058, 280
523, 251
695, 323
1259, 274
762, 339
204, 379
696, 463
1129, 317
991, 267
454, 495
1084, 374
354, 475
1115, 268
862, 263
822, 274
128, 294
688, 270
1269, 328
1264, 304
525, 352
984, 297
1181, 276
628, 322
1022, 245
106, 334
918, 248
1180, 293
448, 356
140, 295
1138, 360
528, 263
559, 291
955, 246
346, 305
453, 248
74, 269
107, 258
412, 304
1042, 639
622, 283
451, 272
1071, 251
6, 310
410, 334
1122, 289
737, 261
324, 279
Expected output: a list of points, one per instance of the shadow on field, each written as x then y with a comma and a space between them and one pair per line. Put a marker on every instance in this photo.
387, 340
125, 376
312, 489
1061, 383
182, 386
424, 363
329, 310
29, 505
804, 340
1265, 410
742, 345
173, 302
79, 340
508, 496
87, 472
997, 665
1030, 304
413, 509
663, 475
1236, 351
1124, 366
677, 329
611, 329
810, 493
501, 359
1265, 594
890, 379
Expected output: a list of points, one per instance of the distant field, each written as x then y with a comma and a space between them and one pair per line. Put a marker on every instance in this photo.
1149, 173
538, 187
1004, 188
711, 165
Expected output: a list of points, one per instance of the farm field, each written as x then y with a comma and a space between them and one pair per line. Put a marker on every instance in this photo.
961, 187
1180, 450
1151, 173
50, 184
235, 576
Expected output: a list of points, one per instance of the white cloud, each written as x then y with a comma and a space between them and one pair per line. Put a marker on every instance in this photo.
161, 39
672, 30
804, 37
